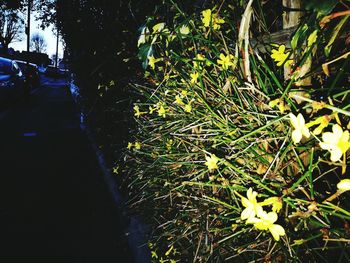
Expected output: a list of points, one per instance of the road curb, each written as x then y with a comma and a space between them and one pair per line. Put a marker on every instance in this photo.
136, 232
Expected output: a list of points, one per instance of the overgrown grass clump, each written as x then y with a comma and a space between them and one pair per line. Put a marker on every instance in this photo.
241, 147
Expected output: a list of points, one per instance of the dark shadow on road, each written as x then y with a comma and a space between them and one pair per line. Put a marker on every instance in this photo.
54, 204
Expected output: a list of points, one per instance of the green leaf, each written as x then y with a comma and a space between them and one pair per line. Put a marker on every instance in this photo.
322, 7
299, 34
328, 47
145, 51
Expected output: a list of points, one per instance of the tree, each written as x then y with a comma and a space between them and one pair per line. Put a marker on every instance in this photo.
38, 43
11, 25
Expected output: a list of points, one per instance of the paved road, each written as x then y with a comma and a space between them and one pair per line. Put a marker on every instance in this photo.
54, 204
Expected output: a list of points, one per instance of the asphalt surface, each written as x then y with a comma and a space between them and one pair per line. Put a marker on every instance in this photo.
54, 203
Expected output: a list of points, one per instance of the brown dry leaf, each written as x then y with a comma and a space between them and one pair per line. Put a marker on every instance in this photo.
261, 169
175, 166
325, 69
227, 87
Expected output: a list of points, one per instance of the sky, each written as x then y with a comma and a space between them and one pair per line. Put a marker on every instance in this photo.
47, 34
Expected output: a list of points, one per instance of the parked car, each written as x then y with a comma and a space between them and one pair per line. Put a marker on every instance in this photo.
53, 72
31, 73
11, 79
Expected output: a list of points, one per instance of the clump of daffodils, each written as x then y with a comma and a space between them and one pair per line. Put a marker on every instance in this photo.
203, 95
336, 142
261, 220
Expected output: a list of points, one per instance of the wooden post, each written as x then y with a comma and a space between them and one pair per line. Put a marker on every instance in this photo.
290, 19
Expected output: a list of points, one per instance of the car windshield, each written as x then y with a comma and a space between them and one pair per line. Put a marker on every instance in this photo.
5, 68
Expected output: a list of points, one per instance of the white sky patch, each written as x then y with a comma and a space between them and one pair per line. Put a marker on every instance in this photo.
47, 33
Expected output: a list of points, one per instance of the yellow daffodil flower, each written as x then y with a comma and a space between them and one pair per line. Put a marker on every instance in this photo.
209, 18
211, 162
169, 144
274, 103
200, 57
225, 61
137, 145
130, 145
194, 77
116, 169
217, 22
154, 254
188, 107
344, 185
266, 222
336, 142
252, 207
151, 109
322, 122
280, 103
300, 129
178, 100
161, 111
206, 17
158, 27
279, 56
184, 93
152, 61
137, 111
184, 30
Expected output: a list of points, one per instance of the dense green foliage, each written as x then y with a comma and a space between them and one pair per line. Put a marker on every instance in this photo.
241, 147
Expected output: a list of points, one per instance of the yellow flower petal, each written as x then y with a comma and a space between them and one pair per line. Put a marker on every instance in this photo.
194, 77
158, 27
178, 100
161, 111
211, 162
185, 30
337, 142
296, 136
188, 107
300, 129
336, 154
279, 56
206, 17
137, 145
329, 138
277, 231
274, 103
225, 61
344, 185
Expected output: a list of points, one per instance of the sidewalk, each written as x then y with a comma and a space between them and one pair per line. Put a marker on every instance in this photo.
54, 204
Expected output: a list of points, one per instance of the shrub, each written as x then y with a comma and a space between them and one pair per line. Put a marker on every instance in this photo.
234, 158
